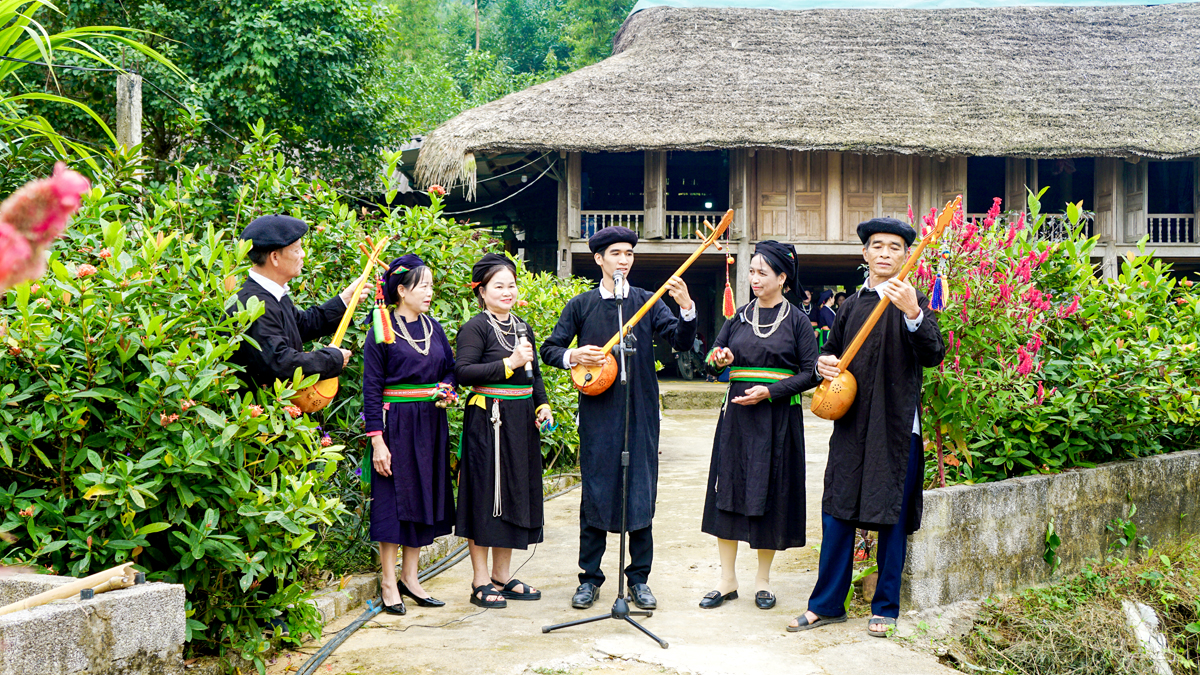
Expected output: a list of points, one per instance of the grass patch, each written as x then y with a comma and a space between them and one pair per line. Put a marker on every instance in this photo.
1077, 626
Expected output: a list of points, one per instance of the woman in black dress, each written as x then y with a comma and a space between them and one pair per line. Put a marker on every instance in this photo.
405, 383
756, 476
500, 484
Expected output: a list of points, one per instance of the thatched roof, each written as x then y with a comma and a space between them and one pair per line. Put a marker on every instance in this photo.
1021, 81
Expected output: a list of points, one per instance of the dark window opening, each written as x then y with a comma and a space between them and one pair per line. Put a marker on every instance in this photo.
612, 181
1069, 180
985, 181
698, 181
1171, 187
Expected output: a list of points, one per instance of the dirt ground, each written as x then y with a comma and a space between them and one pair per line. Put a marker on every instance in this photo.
734, 638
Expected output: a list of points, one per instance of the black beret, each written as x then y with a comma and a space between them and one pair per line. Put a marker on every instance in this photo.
888, 225
615, 234
274, 232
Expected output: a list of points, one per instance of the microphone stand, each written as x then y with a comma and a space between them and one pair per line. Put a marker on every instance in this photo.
620, 609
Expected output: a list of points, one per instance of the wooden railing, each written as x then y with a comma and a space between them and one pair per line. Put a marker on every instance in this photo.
591, 222
1171, 228
679, 225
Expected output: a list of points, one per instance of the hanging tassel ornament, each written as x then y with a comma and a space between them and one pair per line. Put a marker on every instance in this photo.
937, 295
727, 306
379, 317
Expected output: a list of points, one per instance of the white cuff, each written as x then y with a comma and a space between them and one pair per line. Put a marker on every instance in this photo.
567, 359
688, 314
914, 324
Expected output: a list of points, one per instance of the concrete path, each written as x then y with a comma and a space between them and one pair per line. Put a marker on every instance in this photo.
734, 638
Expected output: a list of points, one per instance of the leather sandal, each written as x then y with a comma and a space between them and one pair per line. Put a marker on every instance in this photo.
886, 621
803, 623
480, 593
527, 594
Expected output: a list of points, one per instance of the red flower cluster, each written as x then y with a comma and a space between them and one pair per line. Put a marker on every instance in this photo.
165, 419
189, 403
32, 218
104, 254
254, 410
437, 190
26, 513
294, 411
326, 441
85, 270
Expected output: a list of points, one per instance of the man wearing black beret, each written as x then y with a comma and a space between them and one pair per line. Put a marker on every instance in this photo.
876, 468
282, 330
591, 318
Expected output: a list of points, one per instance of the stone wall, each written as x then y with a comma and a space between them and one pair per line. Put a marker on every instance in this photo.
978, 540
132, 631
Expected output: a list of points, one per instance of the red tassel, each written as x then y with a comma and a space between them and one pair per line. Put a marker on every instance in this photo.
727, 309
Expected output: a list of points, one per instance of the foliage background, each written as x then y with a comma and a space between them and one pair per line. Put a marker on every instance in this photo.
1049, 367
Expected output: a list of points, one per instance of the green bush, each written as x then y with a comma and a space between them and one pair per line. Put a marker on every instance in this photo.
125, 432
1048, 367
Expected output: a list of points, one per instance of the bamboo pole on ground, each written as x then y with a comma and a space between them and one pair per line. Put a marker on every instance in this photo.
96, 581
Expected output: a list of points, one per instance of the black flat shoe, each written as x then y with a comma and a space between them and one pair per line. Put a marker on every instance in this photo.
642, 597
764, 599
421, 602
584, 596
398, 609
715, 599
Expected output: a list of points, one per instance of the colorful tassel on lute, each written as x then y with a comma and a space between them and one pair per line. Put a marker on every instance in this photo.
937, 297
727, 305
380, 320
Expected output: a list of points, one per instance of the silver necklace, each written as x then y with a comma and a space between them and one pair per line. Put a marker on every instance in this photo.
783, 313
504, 330
426, 324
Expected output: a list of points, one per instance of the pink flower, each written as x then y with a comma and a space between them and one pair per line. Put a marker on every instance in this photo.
1041, 393
41, 208
104, 254
1024, 361
85, 270
1021, 222
992, 213
1012, 234
254, 410
437, 190
966, 292
910, 214
15, 255
326, 441
292, 410
165, 419
1072, 308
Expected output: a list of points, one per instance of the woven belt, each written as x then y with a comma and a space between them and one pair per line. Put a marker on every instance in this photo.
764, 375
508, 392
409, 393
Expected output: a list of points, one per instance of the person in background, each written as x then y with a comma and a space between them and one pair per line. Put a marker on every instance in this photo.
838, 299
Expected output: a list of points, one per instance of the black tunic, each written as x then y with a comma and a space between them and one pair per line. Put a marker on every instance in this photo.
868, 451
756, 475
414, 505
593, 320
479, 361
281, 333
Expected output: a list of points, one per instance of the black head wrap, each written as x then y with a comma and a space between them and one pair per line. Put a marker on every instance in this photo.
782, 259
825, 296
487, 262
615, 234
397, 273
889, 226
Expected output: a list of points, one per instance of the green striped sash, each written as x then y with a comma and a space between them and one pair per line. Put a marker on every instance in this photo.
507, 392
764, 376
409, 393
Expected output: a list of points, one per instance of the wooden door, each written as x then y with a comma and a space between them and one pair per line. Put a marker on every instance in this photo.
1106, 192
808, 181
859, 189
1134, 182
950, 181
1015, 180
774, 179
875, 186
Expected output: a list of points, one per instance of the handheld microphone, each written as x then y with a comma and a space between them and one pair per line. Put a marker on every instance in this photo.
619, 284
521, 332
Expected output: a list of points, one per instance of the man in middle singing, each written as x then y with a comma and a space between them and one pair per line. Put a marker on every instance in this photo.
592, 318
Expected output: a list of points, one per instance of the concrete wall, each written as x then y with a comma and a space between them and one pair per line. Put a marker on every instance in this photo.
132, 631
977, 540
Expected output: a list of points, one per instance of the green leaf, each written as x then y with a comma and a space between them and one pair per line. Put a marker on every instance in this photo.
151, 528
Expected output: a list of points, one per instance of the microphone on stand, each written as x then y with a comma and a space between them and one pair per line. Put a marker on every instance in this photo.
618, 285
521, 332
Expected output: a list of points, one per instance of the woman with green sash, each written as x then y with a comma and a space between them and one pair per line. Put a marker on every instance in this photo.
500, 479
756, 475
408, 376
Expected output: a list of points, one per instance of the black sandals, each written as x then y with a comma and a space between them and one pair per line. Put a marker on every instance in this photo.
511, 594
480, 593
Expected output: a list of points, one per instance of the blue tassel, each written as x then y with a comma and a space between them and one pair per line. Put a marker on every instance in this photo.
937, 301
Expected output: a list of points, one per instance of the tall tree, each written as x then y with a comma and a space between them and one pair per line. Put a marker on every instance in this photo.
590, 28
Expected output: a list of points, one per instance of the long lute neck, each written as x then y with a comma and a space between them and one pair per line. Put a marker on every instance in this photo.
353, 304
663, 289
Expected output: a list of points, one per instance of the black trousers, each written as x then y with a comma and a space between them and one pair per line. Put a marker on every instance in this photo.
592, 541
